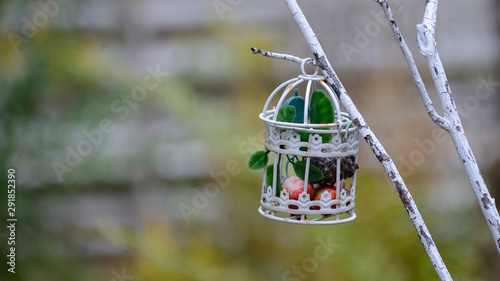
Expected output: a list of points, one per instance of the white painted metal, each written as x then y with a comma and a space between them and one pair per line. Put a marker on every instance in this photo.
282, 139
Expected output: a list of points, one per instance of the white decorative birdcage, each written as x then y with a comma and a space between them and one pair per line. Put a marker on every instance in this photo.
301, 147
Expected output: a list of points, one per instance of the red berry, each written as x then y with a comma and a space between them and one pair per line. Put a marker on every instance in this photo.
331, 189
319, 193
295, 186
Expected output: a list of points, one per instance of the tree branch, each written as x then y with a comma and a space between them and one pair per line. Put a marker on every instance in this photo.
439, 120
281, 56
371, 139
427, 45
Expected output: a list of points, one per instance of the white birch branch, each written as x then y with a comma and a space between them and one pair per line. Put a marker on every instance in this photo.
427, 45
281, 56
439, 120
372, 141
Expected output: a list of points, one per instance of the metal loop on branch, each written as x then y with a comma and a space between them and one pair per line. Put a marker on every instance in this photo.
302, 68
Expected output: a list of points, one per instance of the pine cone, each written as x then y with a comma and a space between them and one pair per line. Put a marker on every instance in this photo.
329, 168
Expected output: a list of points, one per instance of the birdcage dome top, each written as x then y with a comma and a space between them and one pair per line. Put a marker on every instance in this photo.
278, 99
319, 127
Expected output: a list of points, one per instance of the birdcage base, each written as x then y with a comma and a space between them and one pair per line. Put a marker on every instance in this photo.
308, 219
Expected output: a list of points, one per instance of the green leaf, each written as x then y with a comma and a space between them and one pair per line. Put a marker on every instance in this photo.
258, 160
286, 114
315, 173
304, 137
325, 137
321, 110
278, 181
269, 175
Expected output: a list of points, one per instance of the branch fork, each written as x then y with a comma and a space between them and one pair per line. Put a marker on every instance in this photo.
425, 40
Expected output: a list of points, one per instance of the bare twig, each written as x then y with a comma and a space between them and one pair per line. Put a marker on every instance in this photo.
427, 45
372, 141
281, 56
439, 120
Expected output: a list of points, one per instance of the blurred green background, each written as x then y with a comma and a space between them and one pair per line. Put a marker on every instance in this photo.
117, 115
